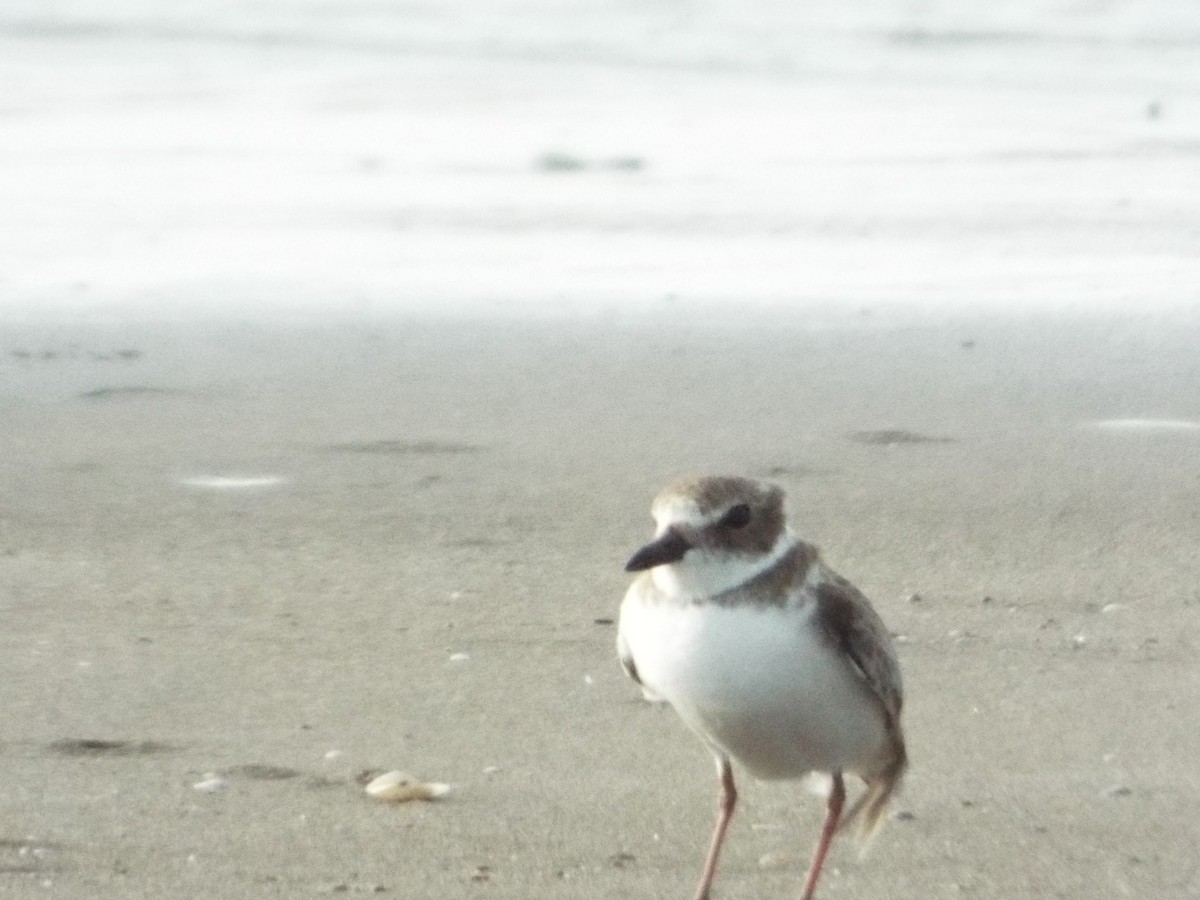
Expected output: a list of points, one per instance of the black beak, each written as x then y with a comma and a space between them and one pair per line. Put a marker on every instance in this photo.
667, 549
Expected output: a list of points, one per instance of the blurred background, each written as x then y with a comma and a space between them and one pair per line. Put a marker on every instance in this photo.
304, 158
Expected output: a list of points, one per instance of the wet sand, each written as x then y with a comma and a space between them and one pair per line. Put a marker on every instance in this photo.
432, 488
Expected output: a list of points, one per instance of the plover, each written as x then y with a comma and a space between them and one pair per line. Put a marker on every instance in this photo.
771, 657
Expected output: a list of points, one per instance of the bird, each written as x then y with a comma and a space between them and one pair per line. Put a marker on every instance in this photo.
774, 660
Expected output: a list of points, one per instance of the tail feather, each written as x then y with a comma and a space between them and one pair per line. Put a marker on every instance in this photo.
869, 809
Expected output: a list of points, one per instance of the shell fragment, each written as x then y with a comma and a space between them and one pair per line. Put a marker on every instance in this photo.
399, 787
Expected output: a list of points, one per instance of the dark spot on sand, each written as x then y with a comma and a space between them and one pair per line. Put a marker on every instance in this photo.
402, 448
345, 887
102, 747
30, 856
890, 436
557, 161
603, 620
20, 868
129, 354
21, 354
262, 772
130, 391
18, 843
627, 164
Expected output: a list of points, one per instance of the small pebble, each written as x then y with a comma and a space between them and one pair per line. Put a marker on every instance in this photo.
915, 598
1117, 790
459, 657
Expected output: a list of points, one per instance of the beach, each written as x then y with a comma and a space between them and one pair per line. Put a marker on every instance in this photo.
421, 562
342, 355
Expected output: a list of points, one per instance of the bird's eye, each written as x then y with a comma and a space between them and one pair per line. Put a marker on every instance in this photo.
737, 517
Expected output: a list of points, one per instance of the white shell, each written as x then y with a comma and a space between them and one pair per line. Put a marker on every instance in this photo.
398, 787
232, 482
210, 783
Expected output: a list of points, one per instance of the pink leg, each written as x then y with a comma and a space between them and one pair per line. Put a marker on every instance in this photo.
833, 812
728, 800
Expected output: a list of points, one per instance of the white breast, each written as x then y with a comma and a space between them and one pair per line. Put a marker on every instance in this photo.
760, 684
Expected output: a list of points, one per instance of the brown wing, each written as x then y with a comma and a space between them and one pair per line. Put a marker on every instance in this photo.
851, 623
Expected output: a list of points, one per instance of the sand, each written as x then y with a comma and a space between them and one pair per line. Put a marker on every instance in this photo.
284, 555
343, 346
